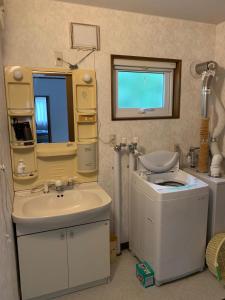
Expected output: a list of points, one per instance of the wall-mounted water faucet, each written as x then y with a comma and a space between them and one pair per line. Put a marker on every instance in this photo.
208, 71
193, 156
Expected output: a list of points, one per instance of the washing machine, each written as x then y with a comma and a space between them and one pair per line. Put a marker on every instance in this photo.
168, 217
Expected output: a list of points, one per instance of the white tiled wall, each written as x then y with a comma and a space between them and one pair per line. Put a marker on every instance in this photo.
220, 58
37, 28
8, 276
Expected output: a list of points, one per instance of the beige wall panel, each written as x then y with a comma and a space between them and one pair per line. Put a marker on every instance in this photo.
61, 168
78, 76
87, 131
19, 96
85, 97
19, 92
59, 161
56, 167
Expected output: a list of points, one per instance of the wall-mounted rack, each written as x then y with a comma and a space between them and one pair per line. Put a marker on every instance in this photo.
21, 113
85, 105
20, 103
86, 117
26, 176
20, 145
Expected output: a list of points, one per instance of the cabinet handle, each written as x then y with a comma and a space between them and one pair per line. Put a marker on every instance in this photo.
71, 234
62, 235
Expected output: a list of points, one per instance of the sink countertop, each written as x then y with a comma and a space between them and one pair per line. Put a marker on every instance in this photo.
70, 206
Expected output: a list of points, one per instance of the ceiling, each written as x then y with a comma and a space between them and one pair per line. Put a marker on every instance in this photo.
208, 11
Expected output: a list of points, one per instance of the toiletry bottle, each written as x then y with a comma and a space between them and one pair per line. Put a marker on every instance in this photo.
27, 131
21, 167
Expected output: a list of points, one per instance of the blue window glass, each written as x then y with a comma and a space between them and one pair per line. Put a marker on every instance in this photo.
41, 118
140, 89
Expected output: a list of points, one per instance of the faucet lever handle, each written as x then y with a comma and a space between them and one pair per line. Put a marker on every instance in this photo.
72, 180
46, 188
59, 185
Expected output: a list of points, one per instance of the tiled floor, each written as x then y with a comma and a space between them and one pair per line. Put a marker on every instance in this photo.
125, 286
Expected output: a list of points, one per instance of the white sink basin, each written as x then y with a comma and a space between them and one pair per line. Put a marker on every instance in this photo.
59, 206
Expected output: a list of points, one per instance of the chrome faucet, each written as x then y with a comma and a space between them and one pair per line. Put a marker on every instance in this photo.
59, 185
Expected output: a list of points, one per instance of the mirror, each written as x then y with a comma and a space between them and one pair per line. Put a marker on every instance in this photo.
53, 103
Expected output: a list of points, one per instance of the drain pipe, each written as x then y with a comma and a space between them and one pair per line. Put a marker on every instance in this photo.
117, 195
207, 70
117, 191
133, 153
117, 180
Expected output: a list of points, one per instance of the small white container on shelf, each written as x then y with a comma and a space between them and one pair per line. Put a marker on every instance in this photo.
21, 168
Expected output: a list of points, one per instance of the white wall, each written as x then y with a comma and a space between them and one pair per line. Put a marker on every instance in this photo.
8, 275
220, 59
37, 28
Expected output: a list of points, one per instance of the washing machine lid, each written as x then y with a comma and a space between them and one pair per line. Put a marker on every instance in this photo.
160, 161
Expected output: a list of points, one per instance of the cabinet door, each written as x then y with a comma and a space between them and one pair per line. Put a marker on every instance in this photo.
88, 253
43, 263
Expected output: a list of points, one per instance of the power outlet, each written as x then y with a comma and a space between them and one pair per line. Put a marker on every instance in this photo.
58, 59
112, 140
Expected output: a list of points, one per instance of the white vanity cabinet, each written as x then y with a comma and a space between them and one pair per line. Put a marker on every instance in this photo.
43, 263
57, 260
88, 253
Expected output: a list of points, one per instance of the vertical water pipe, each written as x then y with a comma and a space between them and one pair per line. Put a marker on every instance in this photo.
118, 150
117, 190
117, 196
132, 166
207, 71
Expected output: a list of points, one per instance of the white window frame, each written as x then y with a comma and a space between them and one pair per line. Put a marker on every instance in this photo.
167, 67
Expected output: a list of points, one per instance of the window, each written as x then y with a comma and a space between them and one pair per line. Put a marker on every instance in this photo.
144, 88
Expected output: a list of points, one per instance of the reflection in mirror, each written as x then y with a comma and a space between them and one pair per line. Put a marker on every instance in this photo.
53, 108
42, 119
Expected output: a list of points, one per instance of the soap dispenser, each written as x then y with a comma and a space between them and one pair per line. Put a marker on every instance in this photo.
21, 167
